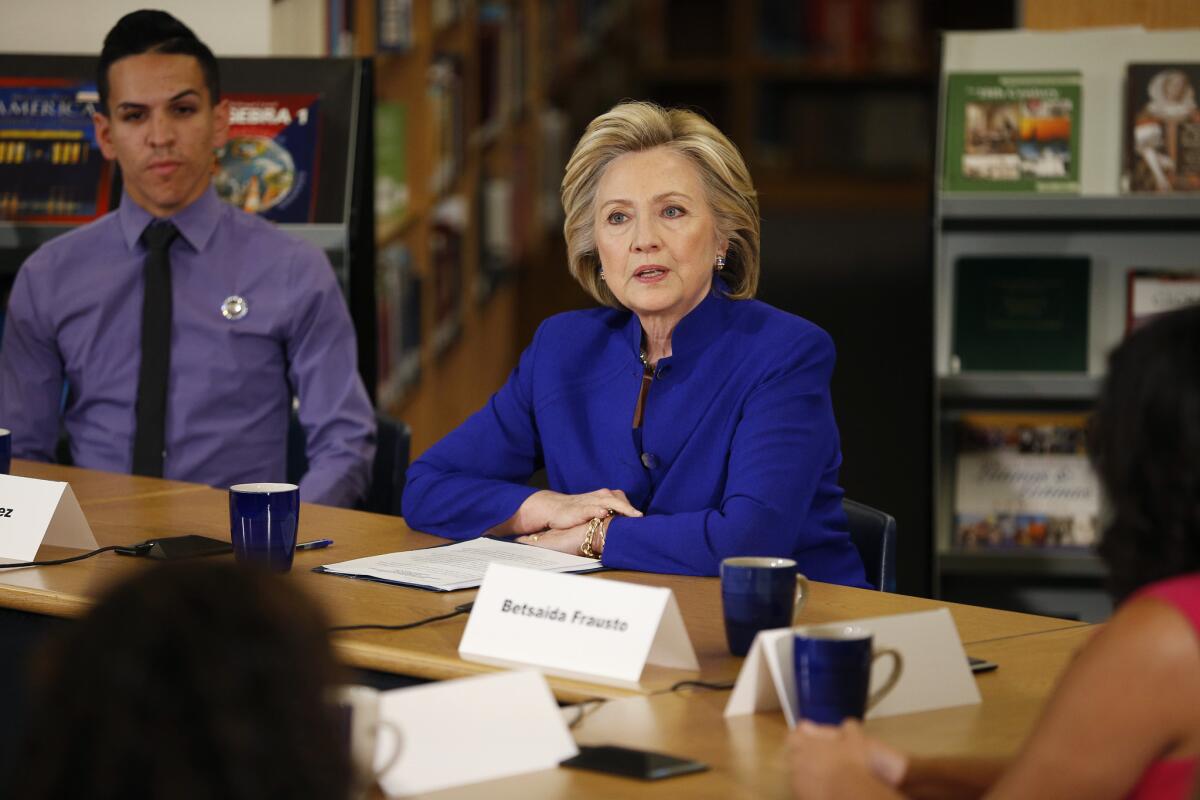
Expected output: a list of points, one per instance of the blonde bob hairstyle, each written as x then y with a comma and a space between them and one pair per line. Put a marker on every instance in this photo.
632, 127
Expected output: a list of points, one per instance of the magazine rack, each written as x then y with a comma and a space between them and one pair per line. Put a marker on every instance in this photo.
1117, 233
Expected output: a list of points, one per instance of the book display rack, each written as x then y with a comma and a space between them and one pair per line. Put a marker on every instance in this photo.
1045, 256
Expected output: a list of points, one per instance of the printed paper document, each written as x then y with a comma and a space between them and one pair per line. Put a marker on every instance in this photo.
457, 566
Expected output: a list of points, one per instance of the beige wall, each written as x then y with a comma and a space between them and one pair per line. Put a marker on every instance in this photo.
230, 27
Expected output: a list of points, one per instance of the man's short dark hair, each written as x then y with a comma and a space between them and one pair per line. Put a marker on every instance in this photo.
147, 31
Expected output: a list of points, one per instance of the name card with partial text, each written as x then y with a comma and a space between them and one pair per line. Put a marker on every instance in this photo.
468, 730
585, 628
34, 512
935, 674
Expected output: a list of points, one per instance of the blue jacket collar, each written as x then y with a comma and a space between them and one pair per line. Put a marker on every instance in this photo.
699, 328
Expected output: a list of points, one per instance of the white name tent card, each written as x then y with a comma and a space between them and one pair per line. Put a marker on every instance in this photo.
584, 628
468, 730
35, 512
936, 673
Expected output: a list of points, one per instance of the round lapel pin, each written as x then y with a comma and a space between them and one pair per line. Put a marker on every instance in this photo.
234, 307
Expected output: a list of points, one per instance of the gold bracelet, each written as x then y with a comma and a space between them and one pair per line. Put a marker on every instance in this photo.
604, 535
586, 547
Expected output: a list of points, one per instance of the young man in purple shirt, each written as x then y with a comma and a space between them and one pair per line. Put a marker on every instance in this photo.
254, 315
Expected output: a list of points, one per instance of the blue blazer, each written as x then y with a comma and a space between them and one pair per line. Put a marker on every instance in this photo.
739, 450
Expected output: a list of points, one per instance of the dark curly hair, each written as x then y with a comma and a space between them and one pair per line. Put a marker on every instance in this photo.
1145, 446
200, 681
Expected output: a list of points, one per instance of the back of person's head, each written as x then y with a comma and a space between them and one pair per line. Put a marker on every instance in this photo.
194, 682
1145, 446
148, 31
637, 126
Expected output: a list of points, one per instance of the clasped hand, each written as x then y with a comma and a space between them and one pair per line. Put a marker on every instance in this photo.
560, 521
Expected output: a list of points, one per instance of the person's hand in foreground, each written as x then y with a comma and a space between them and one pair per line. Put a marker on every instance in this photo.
842, 762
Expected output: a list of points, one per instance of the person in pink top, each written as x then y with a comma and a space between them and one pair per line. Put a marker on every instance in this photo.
1125, 719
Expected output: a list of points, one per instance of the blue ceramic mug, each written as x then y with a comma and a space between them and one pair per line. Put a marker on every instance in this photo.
263, 518
833, 673
5, 451
759, 593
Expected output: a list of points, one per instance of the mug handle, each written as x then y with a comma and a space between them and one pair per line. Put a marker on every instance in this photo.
893, 679
801, 597
394, 756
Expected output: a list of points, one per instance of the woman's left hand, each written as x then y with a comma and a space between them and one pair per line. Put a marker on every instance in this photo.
566, 541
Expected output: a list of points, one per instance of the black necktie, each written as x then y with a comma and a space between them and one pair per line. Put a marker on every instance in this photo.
149, 439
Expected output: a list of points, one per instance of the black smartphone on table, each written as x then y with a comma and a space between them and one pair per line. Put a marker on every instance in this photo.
630, 763
173, 548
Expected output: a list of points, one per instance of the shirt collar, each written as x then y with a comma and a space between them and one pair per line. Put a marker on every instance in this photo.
196, 223
695, 331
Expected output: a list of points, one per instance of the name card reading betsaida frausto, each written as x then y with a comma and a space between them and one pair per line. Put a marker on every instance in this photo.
556, 614
604, 631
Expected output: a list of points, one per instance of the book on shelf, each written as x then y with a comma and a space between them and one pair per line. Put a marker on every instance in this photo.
1162, 128
446, 113
446, 258
1012, 132
1157, 291
1023, 481
339, 26
51, 167
391, 165
269, 165
494, 229
1021, 313
398, 324
394, 29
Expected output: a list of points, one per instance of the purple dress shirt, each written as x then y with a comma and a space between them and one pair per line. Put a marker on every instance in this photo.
75, 316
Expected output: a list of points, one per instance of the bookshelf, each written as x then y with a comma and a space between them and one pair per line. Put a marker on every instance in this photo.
1114, 232
488, 118
830, 101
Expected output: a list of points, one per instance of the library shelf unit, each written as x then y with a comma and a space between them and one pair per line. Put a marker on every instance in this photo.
1116, 233
484, 92
831, 102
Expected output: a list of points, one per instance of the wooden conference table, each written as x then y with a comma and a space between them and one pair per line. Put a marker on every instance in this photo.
747, 754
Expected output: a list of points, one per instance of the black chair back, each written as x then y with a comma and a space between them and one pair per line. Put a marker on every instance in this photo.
874, 534
393, 440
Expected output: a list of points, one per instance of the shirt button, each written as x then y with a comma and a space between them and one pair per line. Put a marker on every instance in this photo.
649, 461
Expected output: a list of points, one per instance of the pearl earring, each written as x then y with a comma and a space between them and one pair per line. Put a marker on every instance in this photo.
602, 273
720, 263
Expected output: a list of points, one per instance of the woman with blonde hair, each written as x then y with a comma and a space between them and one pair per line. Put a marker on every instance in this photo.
680, 422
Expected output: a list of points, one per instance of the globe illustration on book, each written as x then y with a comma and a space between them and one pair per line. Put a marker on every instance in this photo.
254, 173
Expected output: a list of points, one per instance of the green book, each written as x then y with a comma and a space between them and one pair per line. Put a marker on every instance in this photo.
391, 164
1012, 132
1026, 313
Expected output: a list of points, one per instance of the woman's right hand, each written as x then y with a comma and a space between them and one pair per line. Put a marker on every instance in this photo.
546, 510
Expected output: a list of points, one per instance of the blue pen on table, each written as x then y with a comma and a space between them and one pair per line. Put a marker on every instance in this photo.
315, 544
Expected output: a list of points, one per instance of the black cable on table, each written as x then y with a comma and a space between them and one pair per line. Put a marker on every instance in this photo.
463, 609
57, 561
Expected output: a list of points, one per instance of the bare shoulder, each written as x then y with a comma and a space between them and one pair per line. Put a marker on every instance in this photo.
1154, 633
1138, 676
